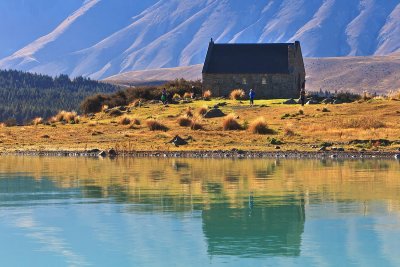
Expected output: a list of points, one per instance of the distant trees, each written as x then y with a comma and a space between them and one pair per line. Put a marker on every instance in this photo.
95, 103
25, 96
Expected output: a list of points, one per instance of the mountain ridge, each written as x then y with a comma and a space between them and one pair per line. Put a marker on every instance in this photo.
101, 38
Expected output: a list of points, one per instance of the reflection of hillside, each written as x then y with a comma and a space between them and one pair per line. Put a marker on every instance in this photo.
189, 183
274, 230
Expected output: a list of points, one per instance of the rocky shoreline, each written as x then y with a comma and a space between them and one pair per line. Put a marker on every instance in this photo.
217, 154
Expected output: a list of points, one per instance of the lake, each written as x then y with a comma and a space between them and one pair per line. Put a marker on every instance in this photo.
198, 212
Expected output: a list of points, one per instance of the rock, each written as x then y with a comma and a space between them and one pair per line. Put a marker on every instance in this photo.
178, 141
397, 156
92, 151
322, 148
112, 152
327, 101
115, 112
214, 113
45, 136
337, 101
277, 147
221, 104
102, 154
186, 101
216, 106
154, 102
122, 108
312, 102
290, 102
333, 156
341, 149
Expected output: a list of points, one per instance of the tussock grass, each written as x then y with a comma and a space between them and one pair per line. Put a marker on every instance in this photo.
237, 94
230, 123
135, 121
361, 123
394, 95
176, 96
155, 125
259, 126
187, 95
289, 132
184, 121
207, 94
124, 121
65, 116
202, 110
37, 121
188, 112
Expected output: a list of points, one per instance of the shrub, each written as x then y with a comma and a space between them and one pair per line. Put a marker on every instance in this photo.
325, 110
301, 112
177, 96
124, 120
259, 126
37, 121
203, 110
347, 97
230, 123
94, 104
187, 95
10, 122
207, 94
184, 121
155, 125
237, 94
65, 116
289, 132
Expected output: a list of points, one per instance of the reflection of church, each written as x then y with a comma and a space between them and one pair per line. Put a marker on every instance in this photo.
256, 231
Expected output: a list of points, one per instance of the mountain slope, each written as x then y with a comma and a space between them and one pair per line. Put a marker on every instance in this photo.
380, 74
101, 38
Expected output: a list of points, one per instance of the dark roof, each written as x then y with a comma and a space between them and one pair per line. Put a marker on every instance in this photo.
247, 58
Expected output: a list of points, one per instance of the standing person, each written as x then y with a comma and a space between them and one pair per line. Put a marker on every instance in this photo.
164, 96
302, 96
252, 94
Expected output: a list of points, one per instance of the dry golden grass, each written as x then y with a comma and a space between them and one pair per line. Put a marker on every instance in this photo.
187, 95
188, 112
135, 121
66, 116
394, 95
259, 126
361, 123
124, 121
207, 94
184, 121
136, 103
230, 123
311, 128
37, 121
237, 94
202, 110
155, 125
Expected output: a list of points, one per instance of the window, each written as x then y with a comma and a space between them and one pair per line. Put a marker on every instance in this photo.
244, 81
264, 80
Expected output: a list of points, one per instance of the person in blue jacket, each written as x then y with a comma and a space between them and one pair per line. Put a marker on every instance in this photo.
252, 94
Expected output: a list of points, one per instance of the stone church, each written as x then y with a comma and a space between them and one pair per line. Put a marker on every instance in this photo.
274, 70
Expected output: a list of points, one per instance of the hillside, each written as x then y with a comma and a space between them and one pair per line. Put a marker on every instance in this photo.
355, 74
26, 96
100, 38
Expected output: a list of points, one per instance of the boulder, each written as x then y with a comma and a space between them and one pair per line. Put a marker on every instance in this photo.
112, 152
312, 102
214, 113
397, 156
290, 102
93, 151
178, 141
102, 154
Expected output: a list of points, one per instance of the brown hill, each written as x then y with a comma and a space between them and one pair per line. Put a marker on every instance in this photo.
356, 74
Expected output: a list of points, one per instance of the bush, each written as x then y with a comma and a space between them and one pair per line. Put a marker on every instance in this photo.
259, 126
37, 121
176, 96
237, 94
207, 94
136, 121
65, 116
230, 123
347, 97
94, 104
10, 122
184, 121
155, 125
124, 120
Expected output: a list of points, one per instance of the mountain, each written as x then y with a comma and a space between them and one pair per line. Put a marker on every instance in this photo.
100, 38
380, 74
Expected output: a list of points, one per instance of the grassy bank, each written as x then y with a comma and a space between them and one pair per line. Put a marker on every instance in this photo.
369, 125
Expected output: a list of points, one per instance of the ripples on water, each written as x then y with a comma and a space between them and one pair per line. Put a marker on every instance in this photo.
198, 212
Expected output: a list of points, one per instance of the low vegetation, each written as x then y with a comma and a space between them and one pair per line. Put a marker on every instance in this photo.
207, 94
155, 125
237, 94
230, 123
259, 126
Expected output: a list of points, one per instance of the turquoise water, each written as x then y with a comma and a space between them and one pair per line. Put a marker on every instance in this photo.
186, 212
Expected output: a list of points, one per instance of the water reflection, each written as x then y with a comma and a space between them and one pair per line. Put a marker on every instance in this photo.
246, 209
